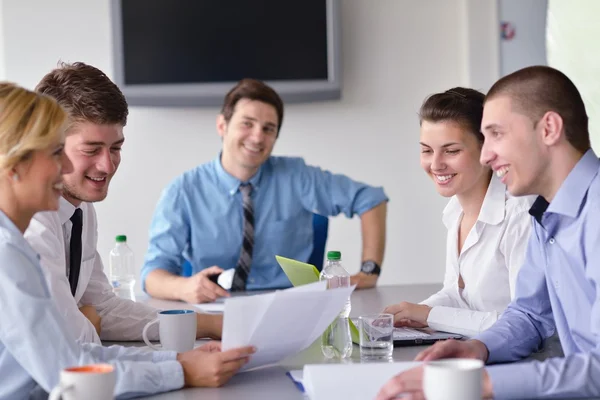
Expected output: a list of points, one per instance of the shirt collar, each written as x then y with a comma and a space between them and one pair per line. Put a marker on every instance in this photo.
230, 183
9, 225
492, 210
15, 236
65, 210
571, 193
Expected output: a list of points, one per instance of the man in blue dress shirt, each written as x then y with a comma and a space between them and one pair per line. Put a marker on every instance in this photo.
246, 206
536, 139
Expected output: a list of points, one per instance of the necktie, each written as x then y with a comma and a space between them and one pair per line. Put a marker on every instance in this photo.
242, 269
75, 249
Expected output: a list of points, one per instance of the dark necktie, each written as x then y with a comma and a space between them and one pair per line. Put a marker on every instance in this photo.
75, 249
242, 269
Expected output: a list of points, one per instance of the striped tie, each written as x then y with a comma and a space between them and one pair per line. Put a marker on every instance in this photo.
242, 269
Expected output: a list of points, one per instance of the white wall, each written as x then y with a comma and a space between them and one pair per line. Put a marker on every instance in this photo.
394, 54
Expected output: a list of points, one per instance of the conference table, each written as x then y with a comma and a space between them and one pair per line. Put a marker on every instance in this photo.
273, 383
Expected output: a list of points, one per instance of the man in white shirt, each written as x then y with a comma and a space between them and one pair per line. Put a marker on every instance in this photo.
66, 240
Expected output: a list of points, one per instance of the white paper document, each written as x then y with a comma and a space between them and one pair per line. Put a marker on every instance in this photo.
211, 308
281, 323
349, 381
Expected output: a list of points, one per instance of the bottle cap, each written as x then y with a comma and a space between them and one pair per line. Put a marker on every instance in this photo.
334, 255
121, 239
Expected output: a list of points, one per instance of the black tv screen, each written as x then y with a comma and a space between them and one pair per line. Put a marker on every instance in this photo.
169, 45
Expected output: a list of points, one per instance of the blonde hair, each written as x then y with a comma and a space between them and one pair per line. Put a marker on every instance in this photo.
29, 121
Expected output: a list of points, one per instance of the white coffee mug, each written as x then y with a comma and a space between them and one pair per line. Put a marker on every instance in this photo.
458, 378
177, 330
88, 382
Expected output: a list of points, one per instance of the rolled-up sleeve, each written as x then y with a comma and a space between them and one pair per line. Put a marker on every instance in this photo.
169, 233
330, 194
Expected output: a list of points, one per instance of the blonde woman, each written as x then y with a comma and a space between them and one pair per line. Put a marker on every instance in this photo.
31, 165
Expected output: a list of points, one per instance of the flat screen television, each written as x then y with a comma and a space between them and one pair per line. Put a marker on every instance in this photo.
191, 52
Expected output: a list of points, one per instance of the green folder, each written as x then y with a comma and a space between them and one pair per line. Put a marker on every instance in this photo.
300, 273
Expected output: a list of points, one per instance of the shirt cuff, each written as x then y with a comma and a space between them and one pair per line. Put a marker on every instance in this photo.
495, 343
514, 381
172, 374
160, 356
436, 316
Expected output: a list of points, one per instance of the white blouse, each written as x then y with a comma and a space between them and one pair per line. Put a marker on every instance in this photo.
491, 256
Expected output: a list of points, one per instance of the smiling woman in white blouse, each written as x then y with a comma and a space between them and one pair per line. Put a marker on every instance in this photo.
488, 229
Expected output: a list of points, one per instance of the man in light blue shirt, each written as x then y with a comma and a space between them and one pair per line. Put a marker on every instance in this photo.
246, 206
537, 141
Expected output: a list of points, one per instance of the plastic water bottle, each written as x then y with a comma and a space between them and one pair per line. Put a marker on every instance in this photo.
336, 341
122, 269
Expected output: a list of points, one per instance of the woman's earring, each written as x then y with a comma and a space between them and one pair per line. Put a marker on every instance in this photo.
15, 177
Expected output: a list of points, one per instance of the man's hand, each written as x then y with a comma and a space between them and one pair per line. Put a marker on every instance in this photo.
410, 384
363, 281
409, 314
209, 325
199, 289
455, 349
90, 313
208, 366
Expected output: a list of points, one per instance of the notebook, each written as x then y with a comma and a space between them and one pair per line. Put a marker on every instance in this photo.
300, 273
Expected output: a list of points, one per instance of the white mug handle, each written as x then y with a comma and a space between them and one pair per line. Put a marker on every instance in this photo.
145, 335
57, 392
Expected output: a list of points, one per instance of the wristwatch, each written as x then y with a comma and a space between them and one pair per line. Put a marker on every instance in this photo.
370, 268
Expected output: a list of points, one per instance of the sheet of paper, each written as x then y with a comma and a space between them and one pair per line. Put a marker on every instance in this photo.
300, 273
211, 308
282, 323
349, 381
296, 377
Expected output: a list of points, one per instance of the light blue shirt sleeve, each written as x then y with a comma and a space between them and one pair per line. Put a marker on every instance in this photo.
572, 376
169, 233
330, 194
32, 330
527, 320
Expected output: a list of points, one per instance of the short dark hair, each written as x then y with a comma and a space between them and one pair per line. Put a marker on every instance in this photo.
252, 89
461, 105
536, 90
86, 93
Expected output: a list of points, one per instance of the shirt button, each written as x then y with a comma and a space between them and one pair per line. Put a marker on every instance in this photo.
551, 241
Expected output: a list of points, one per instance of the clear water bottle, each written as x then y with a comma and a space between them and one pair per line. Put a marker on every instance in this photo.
122, 269
336, 341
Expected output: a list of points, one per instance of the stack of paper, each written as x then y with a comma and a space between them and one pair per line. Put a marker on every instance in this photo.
349, 381
282, 323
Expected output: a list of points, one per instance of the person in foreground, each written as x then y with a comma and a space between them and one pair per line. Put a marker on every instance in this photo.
35, 343
487, 228
246, 206
537, 141
66, 239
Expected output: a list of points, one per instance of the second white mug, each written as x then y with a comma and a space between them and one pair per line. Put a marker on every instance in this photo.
458, 378
177, 330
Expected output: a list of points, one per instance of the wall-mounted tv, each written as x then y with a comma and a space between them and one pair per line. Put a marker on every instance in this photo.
191, 52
